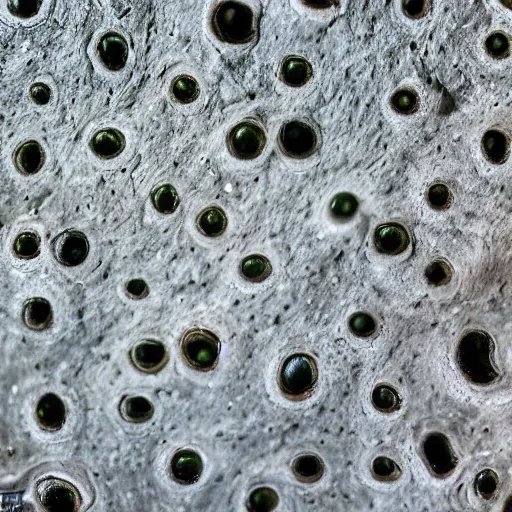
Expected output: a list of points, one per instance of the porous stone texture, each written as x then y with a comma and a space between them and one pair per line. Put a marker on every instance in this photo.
236, 417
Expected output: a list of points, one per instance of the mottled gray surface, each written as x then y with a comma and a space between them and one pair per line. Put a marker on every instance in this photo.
246, 431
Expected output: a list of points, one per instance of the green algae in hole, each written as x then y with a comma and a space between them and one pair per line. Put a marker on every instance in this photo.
496, 146
149, 356
24, 8
255, 268
391, 238
234, 22
113, 51
362, 324
385, 469
108, 143
385, 398
165, 199
137, 289
27, 245
186, 466
29, 157
486, 484
262, 499
296, 71
201, 349
297, 139
246, 140
136, 409
185, 89
50, 412
40, 93
212, 221
416, 9
56, 495
298, 376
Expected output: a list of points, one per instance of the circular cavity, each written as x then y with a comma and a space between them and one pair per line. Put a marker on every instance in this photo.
71, 248
201, 349
212, 221
24, 8
497, 45
475, 357
50, 412
385, 469
308, 467
136, 409
234, 22
185, 89
320, 4
113, 51
343, 206
415, 9
27, 245
295, 71
438, 272
405, 101
137, 289
439, 455
149, 356
29, 157
439, 196
165, 199
362, 324
37, 314
40, 93
496, 146
262, 499
487, 484
255, 268
186, 466
246, 140
298, 375
56, 495
297, 139
391, 238
108, 143
385, 398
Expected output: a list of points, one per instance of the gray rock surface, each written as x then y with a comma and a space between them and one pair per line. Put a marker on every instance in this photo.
246, 431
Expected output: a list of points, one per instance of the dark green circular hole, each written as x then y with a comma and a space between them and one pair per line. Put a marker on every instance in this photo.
186, 466
136, 409
405, 101
497, 45
486, 484
308, 467
391, 239
71, 248
201, 349
295, 71
415, 9
58, 496
40, 93
29, 157
297, 139
256, 268
438, 273
165, 199
298, 375
24, 8
149, 356
212, 221
362, 324
113, 51
246, 140
108, 143
50, 412
439, 196
185, 89
343, 206
37, 314
385, 469
233, 22
262, 499
27, 245
385, 398
496, 146
137, 289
